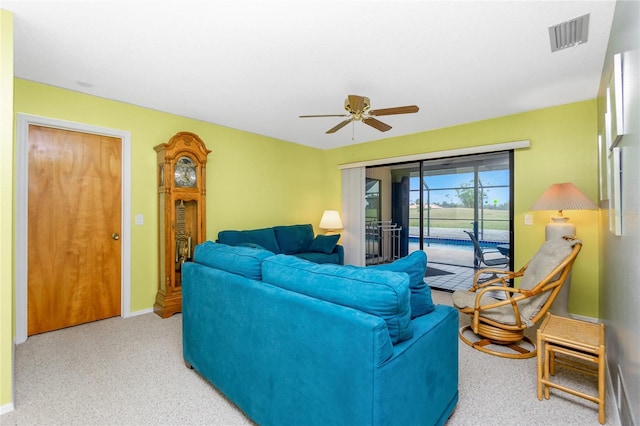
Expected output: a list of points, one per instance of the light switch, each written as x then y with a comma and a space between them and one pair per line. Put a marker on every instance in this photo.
528, 219
139, 219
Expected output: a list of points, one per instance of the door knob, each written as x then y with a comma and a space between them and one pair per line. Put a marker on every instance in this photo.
115, 236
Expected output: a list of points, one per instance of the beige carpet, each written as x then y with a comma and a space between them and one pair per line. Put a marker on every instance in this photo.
130, 372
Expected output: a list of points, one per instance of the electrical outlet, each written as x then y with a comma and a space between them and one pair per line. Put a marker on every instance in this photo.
528, 219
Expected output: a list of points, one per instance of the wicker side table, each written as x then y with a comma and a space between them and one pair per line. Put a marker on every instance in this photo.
574, 344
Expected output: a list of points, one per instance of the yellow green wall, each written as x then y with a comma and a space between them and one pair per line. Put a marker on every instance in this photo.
252, 181
6, 201
563, 149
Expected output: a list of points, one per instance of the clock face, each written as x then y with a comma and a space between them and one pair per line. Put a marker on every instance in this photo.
185, 173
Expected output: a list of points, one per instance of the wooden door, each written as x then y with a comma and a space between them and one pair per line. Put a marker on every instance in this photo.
74, 220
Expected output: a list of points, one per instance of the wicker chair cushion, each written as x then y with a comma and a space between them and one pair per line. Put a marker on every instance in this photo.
547, 258
502, 314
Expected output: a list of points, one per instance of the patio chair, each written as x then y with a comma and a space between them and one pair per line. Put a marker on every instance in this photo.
499, 325
480, 255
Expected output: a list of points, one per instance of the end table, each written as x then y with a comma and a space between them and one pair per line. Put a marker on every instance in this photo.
576, 345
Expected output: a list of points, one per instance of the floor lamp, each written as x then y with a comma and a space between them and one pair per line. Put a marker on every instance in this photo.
562, 196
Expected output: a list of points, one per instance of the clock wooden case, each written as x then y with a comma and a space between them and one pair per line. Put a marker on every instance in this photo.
181, 214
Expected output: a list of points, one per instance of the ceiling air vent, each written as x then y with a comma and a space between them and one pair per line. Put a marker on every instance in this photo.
570, 33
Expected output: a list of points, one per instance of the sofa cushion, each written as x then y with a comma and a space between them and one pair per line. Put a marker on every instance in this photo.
294, 239
245, 261
385, 294
324, 243
264, 237
415, 264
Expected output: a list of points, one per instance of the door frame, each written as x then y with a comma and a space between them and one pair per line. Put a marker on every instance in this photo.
22, 225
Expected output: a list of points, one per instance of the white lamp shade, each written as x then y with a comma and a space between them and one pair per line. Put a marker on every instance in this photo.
563, 196
330, 220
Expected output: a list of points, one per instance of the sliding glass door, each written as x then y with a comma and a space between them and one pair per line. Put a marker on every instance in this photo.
463, 195
438, 203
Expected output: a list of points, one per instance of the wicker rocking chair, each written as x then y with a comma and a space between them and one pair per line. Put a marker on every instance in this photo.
495, 321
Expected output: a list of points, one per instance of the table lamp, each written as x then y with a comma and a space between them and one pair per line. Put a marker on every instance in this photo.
330, 221
562, 196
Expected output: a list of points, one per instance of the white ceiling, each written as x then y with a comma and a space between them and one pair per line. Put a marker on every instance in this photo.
257, 66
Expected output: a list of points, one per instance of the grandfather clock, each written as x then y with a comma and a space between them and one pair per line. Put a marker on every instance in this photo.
181, 214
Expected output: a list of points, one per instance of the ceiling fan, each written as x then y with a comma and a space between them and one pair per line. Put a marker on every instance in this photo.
358, 110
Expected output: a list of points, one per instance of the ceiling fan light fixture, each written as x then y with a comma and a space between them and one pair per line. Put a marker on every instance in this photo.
569, 33
358, 109
356, 104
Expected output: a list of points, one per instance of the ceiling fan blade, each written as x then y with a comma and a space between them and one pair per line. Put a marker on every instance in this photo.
356, 103
324, 115
339, 126
376, 124
397, 110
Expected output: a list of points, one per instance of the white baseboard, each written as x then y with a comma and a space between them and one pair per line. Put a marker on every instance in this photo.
142, 312
614, 417
583, 318
6, 408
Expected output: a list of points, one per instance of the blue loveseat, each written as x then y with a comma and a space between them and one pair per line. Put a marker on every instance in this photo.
297, 240
291, 342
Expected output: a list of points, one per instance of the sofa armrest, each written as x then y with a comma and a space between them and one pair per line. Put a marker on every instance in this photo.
340, 251
425, 365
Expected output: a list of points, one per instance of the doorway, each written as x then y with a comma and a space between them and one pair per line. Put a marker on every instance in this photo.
74, 228
435, 201
25, 123
470, 193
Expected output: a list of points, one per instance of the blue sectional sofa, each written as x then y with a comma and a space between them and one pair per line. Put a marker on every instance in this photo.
291, 342
297, 240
